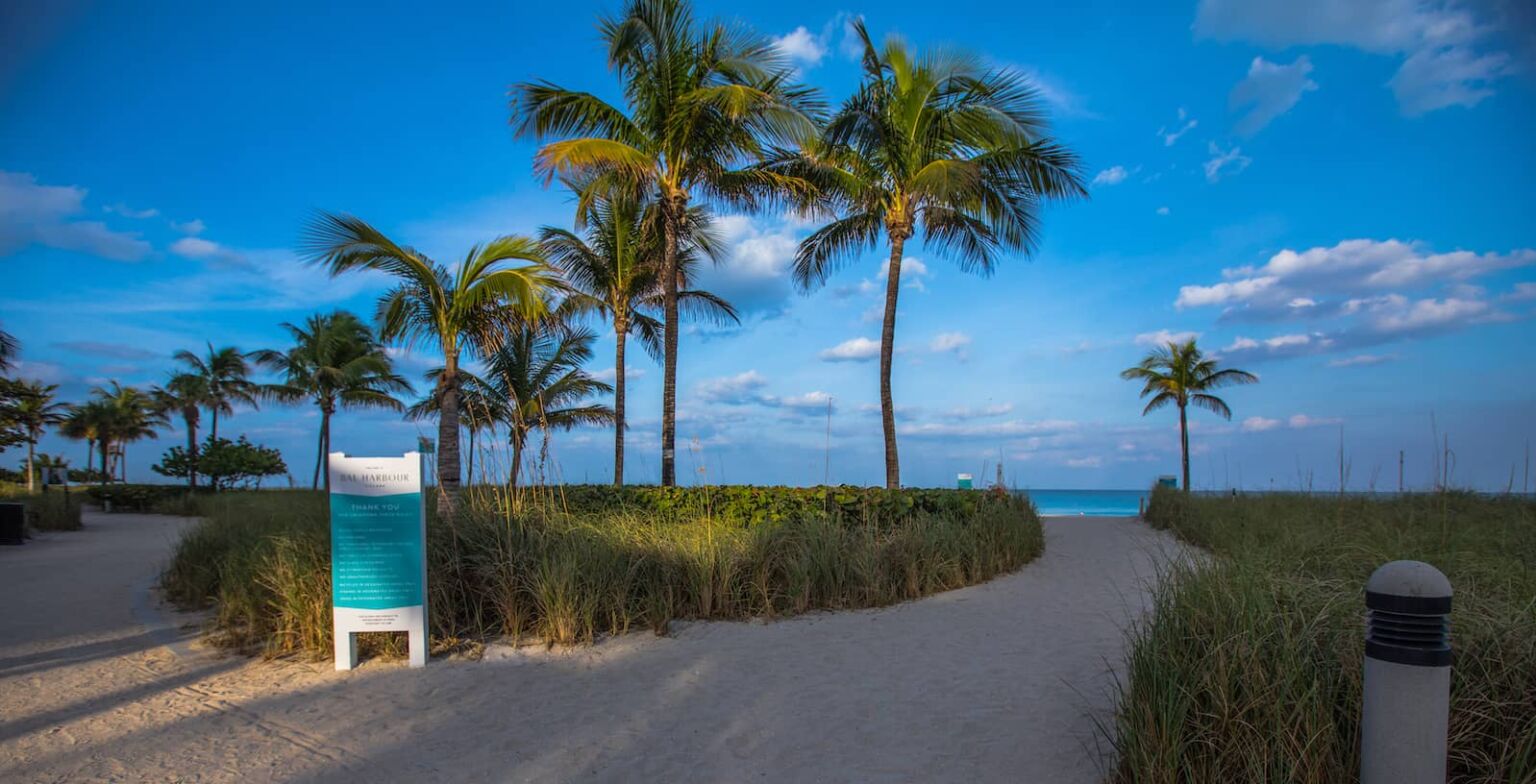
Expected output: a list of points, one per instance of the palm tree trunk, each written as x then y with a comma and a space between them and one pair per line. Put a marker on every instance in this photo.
213, 428
448, 445
1184, 442
323, 459
887, 352
517, 457
31, 445
122, 461
621, 330
90, 457
672, 214
191, 455
106, 449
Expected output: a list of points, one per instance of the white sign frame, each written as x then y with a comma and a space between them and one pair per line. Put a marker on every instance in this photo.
378, 476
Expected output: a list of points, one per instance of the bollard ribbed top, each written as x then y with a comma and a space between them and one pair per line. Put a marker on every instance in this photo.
1408, 622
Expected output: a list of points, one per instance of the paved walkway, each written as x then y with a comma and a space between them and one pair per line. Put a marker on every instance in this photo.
998, 682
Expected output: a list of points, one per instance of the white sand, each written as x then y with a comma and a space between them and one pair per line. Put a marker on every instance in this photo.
998, 682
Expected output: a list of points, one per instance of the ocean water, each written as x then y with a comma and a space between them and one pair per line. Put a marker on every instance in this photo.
1101, 503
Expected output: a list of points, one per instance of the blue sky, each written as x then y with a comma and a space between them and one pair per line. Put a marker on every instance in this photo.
1337, 198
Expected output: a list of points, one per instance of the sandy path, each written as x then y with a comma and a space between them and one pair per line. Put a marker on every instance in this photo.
998, 682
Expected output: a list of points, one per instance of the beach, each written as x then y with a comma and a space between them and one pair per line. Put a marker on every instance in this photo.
1004, 681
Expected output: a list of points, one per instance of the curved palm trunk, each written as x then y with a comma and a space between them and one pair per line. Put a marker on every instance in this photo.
518, 439
448, 446
887, 351
323, 459
1184, 441
674, 206
621, 330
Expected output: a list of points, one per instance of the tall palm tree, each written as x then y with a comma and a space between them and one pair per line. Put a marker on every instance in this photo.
456, 310
701, 100
36, 410
1180, 374
934, 143
537, 378
335, 360
127, 414
186, 394
479, 412
226, 375
9, 348
81, 424
610, 266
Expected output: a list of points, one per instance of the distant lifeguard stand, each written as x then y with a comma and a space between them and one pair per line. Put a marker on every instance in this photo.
1168, 480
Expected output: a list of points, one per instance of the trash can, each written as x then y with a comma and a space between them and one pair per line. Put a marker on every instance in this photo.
13, 518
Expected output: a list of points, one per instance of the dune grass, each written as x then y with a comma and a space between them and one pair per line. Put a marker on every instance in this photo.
55, 510
1249, 666
537, 570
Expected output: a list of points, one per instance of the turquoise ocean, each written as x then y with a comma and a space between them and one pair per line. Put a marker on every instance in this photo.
1102, 503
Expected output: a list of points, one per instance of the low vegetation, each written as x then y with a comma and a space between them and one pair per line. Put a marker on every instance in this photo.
1249, 667
603, 561
52, 511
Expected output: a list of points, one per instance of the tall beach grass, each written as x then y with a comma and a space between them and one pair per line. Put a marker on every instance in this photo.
1249, 666
541, 570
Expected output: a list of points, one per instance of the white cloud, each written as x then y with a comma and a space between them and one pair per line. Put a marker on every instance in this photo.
1360, 360
817, 401
852, 350
1162, 210
1300, 421
206, 250
1269, 91
911, 269
194, 226
1224, 163
1085, 462
801, 47
1255, 424
33, 214
966, 412
1185, 125
1441, 41
1163, 337
1524, 291
755, 277
1005, 429
610, 375
1114, 175
740, 388
949, 341
129, 212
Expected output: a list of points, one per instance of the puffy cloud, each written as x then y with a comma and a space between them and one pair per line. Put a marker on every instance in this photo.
852, 350
817, 401
108, 350
1184, 126
194, 226
1439, 40
967, 412
206, 250
34, 214
1162, 210
1085, 462
755, 277
1270, 90
740, 388
609, 375
1225, 163
949, 341
1114, 175
1256, 424
801, 47
1300, 421
1163, 337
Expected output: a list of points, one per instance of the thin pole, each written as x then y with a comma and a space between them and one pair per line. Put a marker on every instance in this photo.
1399, 472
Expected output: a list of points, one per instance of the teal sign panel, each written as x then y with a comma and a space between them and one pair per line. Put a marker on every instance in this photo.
377, 551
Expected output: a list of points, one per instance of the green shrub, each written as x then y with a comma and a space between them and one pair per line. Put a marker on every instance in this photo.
1249, 666
564, 575
132, 498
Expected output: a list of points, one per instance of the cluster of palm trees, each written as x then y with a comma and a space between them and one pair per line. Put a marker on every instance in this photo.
934, 146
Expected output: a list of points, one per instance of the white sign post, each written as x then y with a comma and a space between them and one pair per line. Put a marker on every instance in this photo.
378, 552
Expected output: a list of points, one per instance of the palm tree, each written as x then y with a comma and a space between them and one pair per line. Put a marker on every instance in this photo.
935, 143
700, 101
35, 411
335, 360
226, 376
1181, 374
478, 411
186, 394
456, 310
84, 423
9, 348
610, 268
126, 414
537, 379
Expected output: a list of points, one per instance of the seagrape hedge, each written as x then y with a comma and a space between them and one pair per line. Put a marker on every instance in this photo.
751, 504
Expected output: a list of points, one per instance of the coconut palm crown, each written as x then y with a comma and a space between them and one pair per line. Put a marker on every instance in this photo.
1180, 374
456, 310
934, 144
701, 101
